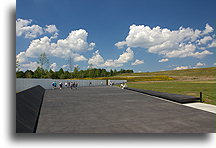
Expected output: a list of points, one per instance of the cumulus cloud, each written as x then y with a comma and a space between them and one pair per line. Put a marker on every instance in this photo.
199, 64
212, 44
204, 40
208, 29
98, 60
29, 66
120, 45
163, 60
22, 58
137, 62
78, 58
125, 57
54, 67
181, 67
75, 43
51, 29
168, 43
201, 54
23, 28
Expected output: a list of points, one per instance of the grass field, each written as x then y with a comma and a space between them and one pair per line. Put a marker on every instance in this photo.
191, 88
193, 73
187, 82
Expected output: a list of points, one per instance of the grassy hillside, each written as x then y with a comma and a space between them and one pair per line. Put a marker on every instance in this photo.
181, 74
188, 82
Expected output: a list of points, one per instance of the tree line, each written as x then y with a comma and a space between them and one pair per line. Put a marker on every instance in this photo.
61, 74
43, 72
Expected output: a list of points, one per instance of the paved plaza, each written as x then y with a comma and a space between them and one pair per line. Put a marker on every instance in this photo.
107, 109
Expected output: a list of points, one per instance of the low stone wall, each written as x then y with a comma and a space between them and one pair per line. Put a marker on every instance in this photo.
117, 81
25, 83
28, 105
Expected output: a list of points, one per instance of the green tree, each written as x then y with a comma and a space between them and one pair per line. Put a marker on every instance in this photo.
20, 74
60, 73
38, 73
29, 74
76, 71
111, 72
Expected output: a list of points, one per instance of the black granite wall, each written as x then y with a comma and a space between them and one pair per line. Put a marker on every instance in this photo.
28, 105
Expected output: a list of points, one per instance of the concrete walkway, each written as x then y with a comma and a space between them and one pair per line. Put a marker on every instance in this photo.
113, 110
203, 106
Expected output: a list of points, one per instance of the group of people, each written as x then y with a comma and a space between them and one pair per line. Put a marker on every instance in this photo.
123, 86
70, 85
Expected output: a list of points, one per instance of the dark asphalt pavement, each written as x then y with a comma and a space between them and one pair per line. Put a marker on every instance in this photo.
113, 110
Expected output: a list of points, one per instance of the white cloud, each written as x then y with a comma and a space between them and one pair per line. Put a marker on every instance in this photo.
23, 28
51, 29
201, 54
163, 60
200, 64
168, 43
214, 64
39, 46
137, 62
96, 59
212, 44
111, 63
54, 67
65, 67
29, 66
120, 44
64, 48
126, 56
181, 67
76, 41
78, 58
204, 40
21, 57
208, 29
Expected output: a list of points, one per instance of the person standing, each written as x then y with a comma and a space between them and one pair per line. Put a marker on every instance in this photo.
60, 85
76, 85
71, 85
54, 85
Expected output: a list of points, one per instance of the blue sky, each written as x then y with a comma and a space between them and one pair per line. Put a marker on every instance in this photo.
97, 25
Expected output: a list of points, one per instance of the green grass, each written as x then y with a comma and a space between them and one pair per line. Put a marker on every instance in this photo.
192, 88
133, 79
195, 73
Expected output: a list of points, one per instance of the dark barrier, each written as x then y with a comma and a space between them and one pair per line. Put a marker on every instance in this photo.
28, 105
173, 97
